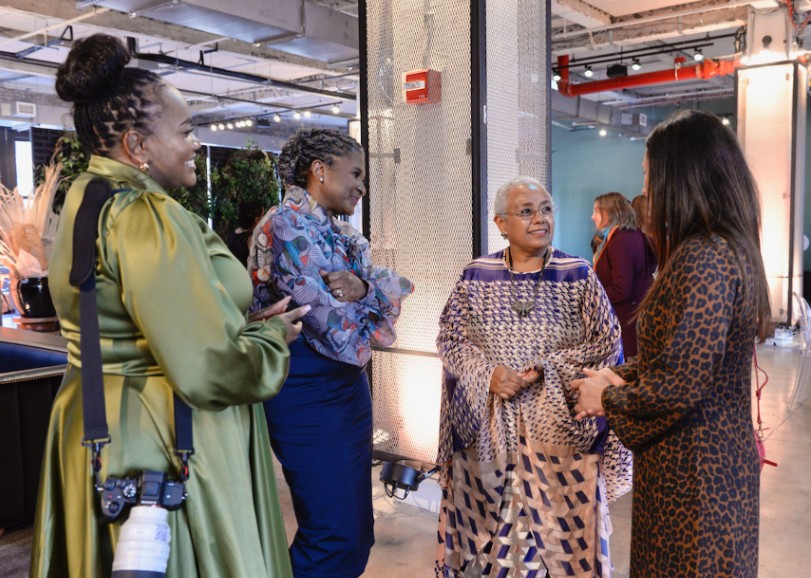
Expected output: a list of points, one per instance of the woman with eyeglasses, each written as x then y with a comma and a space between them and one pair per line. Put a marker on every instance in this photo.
624, 262
525, 486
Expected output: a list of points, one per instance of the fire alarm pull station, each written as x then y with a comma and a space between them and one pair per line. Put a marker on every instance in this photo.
422, 86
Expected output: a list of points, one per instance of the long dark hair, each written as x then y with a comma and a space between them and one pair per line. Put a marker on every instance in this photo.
700, 185
640, 206
108, 98
309, 145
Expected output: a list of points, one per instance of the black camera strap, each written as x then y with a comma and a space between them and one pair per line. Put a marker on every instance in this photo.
82, 275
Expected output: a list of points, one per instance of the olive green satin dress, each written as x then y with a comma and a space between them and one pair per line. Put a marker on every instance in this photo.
171, 303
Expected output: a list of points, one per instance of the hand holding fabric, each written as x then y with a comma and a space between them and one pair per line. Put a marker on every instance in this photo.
506, 383
345, 286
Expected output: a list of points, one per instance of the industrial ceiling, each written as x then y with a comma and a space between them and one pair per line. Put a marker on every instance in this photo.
286, 62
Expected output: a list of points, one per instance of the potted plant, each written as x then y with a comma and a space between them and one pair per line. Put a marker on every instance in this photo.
195, 198
249, 176
27, 229
69, 152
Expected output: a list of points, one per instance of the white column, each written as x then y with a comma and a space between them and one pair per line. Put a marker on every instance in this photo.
771, 129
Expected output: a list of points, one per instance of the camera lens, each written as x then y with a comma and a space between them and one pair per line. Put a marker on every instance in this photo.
143, 544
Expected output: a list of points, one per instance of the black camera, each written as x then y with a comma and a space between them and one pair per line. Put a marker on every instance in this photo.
150, 489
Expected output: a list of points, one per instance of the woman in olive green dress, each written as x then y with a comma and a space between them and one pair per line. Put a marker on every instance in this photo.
171, 302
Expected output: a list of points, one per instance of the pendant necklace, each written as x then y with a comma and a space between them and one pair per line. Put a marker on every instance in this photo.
524, 308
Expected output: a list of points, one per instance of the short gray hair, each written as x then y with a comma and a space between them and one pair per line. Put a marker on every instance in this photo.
503, 194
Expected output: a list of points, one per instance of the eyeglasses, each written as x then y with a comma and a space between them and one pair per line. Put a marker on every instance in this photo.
527, 214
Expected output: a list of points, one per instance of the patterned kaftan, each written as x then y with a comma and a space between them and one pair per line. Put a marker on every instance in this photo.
525, 487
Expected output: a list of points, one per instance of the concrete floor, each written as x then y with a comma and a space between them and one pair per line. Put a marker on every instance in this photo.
406, 535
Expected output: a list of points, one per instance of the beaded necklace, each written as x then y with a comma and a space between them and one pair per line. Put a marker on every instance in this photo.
524, 308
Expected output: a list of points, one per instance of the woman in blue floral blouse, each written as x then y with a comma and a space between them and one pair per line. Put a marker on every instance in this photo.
321, 423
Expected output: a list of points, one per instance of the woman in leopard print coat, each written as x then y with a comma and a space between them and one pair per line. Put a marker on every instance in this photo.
685, 407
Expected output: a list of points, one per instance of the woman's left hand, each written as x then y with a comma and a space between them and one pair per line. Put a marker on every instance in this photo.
590, 388
345, 286
276, 309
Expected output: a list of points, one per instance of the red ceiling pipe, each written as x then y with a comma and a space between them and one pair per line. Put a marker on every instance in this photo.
705, 70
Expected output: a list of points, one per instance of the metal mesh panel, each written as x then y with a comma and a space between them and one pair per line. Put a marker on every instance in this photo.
420, 201
517, 98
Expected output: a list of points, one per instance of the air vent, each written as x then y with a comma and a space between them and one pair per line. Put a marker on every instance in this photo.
18, 109
25, 109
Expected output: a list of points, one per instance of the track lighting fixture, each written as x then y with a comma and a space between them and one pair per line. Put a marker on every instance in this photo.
698, 55
589, 72
229, 125
555, 75
635, 65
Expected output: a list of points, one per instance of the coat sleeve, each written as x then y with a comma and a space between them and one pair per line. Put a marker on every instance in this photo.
196, 333
601, 344
619, 255
681, 376
466, 369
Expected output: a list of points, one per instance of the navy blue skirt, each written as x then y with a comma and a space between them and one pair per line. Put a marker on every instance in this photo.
320, 428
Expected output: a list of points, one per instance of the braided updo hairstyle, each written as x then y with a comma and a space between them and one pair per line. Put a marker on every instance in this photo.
108, 98
309, 145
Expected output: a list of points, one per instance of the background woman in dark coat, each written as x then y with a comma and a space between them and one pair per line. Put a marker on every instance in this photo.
624, 262
685, 407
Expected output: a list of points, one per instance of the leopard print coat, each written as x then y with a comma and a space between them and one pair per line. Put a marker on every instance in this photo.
685, 411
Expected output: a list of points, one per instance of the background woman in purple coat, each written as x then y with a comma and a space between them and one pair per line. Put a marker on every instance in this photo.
624, 262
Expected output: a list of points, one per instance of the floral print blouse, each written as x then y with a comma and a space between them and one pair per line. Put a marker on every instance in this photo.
291, 245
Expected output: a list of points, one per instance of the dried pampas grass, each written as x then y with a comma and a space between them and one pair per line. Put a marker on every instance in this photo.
28, 226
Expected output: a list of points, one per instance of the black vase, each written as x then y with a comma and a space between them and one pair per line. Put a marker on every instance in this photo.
34, 297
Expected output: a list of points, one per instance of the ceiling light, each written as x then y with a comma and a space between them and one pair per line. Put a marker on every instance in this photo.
307, 114
277, 118
248, 122
589, 72
229, 126
240, 124
603, 132
725, 121
336, 109
214, 127
297, 115
221, 126
555, 75
698, 56
635, 65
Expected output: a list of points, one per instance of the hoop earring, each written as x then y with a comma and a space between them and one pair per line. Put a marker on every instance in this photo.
144, 167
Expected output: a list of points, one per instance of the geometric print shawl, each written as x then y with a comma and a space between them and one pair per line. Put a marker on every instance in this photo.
527, 455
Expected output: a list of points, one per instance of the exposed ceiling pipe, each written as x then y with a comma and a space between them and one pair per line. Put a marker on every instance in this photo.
61, 24
245, 76
705, 70
657, 16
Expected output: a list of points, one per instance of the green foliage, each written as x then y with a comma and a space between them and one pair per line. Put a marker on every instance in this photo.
248, 175
74, 162
195, 199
